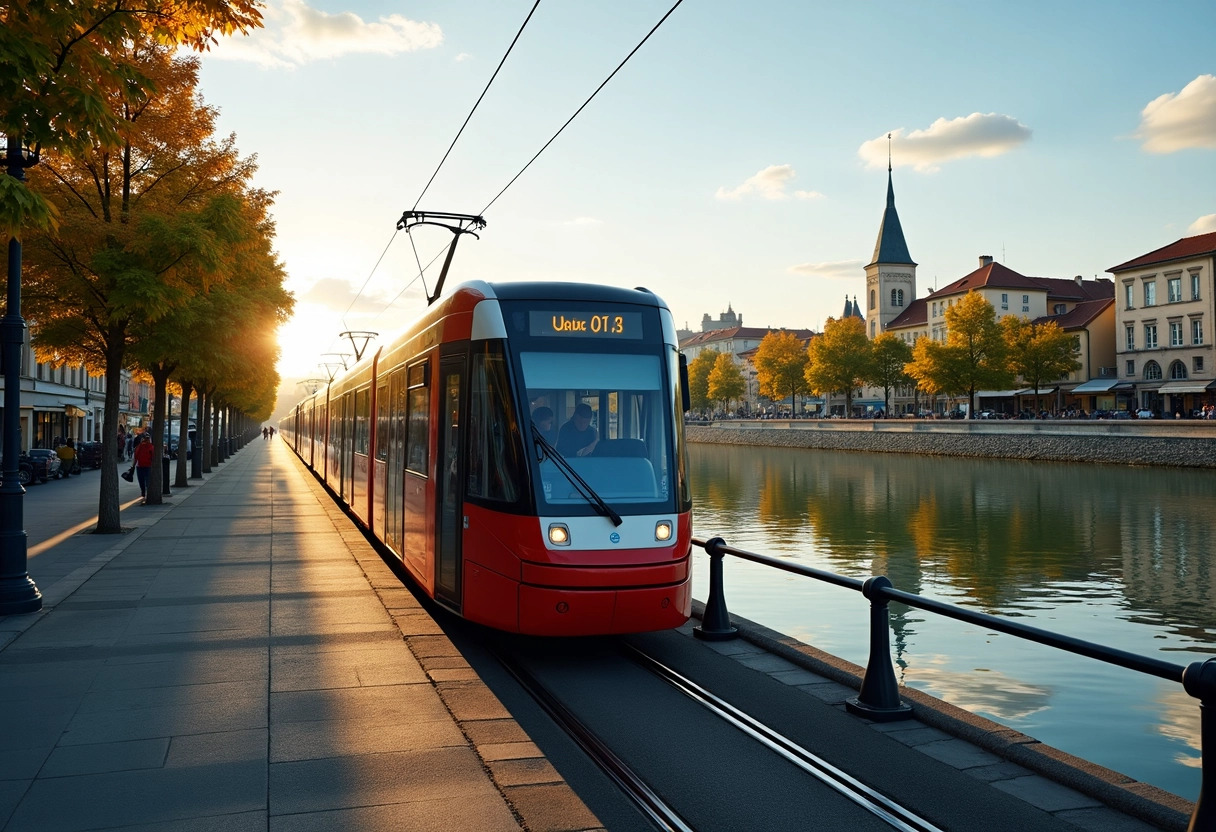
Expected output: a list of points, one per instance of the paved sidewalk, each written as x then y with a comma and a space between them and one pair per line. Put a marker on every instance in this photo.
240, 660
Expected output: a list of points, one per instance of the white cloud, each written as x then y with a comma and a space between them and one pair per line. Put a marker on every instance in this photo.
769, 183
583, 222
296, 34
462, 57
979, 134
833, 270
1179, 121
1204, 225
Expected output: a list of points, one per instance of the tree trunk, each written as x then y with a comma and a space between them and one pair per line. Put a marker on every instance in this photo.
109, 520
204, 424
160, 385
183, 437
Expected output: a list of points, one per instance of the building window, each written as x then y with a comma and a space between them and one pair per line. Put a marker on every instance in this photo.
1059, 308
1177, 370
1131, 368
1197, 331
1131, 337
1152, 371
1175, 333
1150, 293
871, 298
1150, 336
1195, 286
1174, 287
897, 297
1197, 363
873, 324
1129, 292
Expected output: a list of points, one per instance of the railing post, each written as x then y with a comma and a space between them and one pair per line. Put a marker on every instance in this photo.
1199, 680
879, 696
715, 624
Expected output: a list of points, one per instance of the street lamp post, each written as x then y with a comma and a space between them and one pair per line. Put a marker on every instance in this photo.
18, 592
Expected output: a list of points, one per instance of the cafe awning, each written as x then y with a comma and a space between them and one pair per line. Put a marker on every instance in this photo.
1097, 385
1184, 385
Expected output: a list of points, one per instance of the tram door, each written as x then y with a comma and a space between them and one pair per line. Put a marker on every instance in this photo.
448, 476
394, 469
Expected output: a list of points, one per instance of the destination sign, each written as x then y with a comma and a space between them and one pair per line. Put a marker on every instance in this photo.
586, 324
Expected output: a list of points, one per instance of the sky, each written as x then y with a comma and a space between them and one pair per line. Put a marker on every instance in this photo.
737, 160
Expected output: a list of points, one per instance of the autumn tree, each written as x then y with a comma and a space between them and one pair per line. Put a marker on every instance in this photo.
890, 355
974, 356
698, 378
726, 382
1038, 352
780, 366
143, 229
64, 62
839, 359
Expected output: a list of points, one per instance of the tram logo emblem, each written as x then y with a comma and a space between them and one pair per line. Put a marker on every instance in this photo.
614, 537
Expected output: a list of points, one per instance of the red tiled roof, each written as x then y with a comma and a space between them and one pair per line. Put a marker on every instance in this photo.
993, 275
1080, 315
757, 332
1197, 246
917, 314
1061, 288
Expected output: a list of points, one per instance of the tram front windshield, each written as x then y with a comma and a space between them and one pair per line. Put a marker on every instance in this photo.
609, 415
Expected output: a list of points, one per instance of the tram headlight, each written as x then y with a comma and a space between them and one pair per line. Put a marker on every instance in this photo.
662, 530
559, 534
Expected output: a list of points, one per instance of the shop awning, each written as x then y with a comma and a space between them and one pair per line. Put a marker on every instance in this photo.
996, 394
1185, 386
1030, 391
1097, 385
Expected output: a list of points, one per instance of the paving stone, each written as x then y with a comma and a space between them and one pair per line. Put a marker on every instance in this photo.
1046, 794
551, 807
452, 774
344, 738
107, 756
415, 816
958, 753
524, 772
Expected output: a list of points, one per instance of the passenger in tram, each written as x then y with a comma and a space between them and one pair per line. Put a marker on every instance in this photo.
542, 417
577, 437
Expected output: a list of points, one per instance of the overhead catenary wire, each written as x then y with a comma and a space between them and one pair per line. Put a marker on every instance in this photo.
477, 104
552, 139
632, 52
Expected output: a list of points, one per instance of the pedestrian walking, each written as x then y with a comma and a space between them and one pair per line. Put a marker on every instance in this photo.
143, 463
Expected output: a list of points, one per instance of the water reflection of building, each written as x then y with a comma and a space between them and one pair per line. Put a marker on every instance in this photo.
1168, 574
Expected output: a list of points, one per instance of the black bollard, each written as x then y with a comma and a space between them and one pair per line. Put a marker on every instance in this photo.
879, 697
1199, 680
164, 476
715, 625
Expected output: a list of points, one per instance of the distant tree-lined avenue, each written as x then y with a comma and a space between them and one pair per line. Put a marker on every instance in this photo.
147, 247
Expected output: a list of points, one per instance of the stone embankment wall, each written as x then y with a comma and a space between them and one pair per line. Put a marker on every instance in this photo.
1182, 445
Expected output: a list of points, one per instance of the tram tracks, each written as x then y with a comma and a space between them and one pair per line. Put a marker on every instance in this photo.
665, 803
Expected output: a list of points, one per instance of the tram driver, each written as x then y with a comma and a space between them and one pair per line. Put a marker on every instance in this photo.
577, 437
542, 417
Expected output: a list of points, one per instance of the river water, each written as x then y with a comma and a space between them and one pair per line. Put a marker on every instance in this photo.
1116, 555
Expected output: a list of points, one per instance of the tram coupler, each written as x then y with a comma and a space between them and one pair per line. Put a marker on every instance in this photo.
715, 623
879, 696
1199, 680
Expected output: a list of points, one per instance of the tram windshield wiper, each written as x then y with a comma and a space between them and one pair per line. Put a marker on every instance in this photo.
578, 482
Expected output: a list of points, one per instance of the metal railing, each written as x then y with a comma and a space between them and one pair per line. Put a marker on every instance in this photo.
878, 698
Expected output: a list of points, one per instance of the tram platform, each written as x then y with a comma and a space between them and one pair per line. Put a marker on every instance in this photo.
243, 659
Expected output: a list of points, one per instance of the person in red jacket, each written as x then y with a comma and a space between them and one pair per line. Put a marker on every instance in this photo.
143, 463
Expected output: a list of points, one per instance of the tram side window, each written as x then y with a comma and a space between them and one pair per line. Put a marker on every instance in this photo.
362, 408
495, 462
382, 422
417, 454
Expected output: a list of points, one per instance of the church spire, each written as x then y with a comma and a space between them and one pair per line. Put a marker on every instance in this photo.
891, 247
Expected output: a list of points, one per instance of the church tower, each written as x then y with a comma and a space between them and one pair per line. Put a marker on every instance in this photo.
891, 274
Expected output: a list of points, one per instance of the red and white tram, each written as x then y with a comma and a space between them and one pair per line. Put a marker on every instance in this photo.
430, 443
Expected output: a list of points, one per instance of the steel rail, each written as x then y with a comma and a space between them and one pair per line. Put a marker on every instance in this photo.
899, 817
647, 801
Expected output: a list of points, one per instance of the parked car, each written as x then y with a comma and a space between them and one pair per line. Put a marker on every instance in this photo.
88, 454
45, 462
1144, 414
